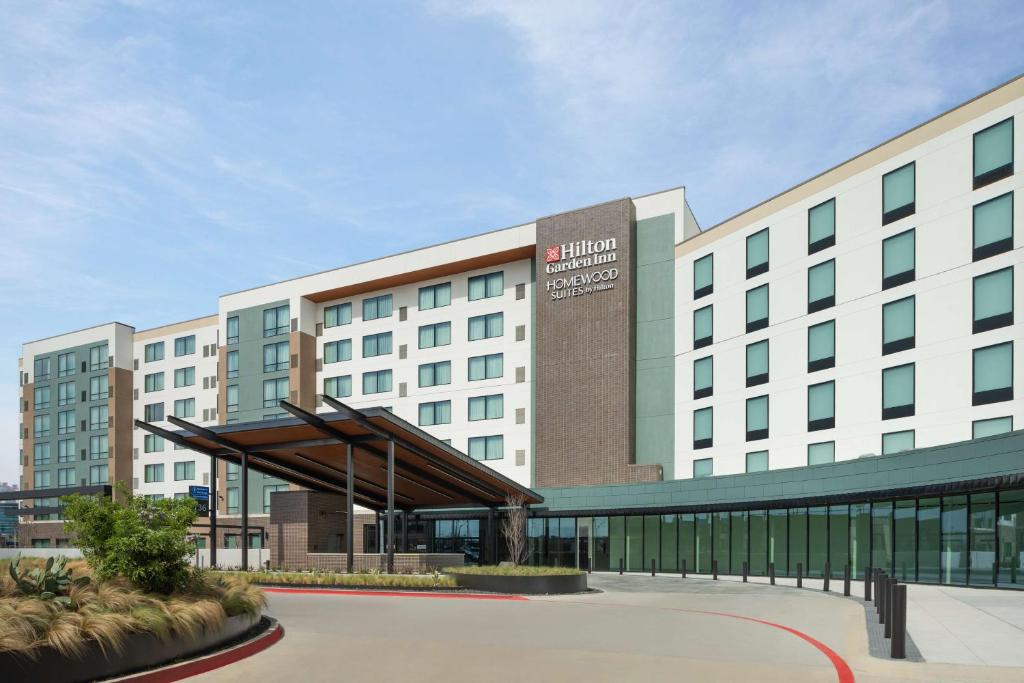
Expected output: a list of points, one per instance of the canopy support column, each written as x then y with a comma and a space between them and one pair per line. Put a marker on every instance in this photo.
245, 511
212, 503
350, 480
405, 531
492, 537
391, 506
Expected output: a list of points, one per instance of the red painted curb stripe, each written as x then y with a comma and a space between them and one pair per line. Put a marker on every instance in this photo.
393, 594
214, 661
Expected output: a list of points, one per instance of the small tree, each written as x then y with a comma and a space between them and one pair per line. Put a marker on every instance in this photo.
513, 527
145, 541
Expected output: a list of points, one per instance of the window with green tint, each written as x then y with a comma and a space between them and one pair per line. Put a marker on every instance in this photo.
669, 561
617, 541
737, 542
337, 351
1011, 538
703, 467
339, 314
821, 406
898, 391
757, 308
898, 193
860, 539
702, 542
486, 286
817, 540
437, 334
185, 407
377, 307
703, 327
435, 296
652, 541
758, 544
338, 387
993, 374
881, 536
275, 357
838, 539
983, 569
185, 377
486, 407
991, 427
954, 561
821, 286
757, 418
376, 382
757, 253
687, 542
993, 153
634, 543
797, 540
821, 453
486, 326
905, 540
897, 442
929, 537
232, 330
703, 276
232, 361
821, 226
154, 382
993, 226
703, 432
376, 344
757, 363
757, 461
720, 547
275, 321
600, 547
486, 447
703, 377
778, 541
898, 325
899, 261
232, 398
490, 366
821, 346
993, 300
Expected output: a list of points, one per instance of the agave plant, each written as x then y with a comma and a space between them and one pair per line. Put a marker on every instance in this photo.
52, 582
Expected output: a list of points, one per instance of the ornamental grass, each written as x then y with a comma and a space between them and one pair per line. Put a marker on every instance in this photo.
362, 580
520, 570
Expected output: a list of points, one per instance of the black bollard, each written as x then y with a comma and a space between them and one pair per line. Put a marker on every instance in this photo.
883, 581
846, 580
771, 573
652, 566
828, 575
799, 575
622, 565
898, 644
714, 569
890, 588
684, 568
868, 578
744, 572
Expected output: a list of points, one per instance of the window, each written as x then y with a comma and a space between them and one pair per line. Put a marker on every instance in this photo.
233, 505
757, 253
154, 352
703, 276
338, 387
185, 471
993, 374
703, 430
821, 406
377, 307
436, 296
154, 382
232, 398
232, 332
153, 443
267, 490
821, 226
993, 153
757, 418
65, 364
274, 391
65, 393
275, 357
898, 260
41, 369
898, 194
99, 416
757, 308
99, 387
486, 286
41, 454
821, 286
185, 407
41, 426
438, 334
233, 471
376, 344
703, 327
821, 346
435, 413
339, 314
66, 450
376, 382
487, 407
98, 474
232, 361
66, 477
991, 427
993, 300
185, 346
154, 473
337, 351
41, 398
41, 479
896, 442
98, 358
898, 325
898, 391
703, 377
99, 447
275, 321
487, 447
486, 326
757, 461
185, 377
703, 468
993, 226
66, 422
490, 366
821, 453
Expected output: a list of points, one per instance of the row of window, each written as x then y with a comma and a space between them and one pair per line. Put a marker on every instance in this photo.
98, 360
99, 389
183, 346
439, 373
183, 377
99, 449
66, 423
479, 408
183, 407
183, 471
67, 477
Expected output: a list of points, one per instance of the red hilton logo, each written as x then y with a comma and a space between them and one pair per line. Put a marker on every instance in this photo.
553, 254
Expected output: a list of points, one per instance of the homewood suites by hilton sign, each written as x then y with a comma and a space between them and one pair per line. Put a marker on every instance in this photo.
585, 254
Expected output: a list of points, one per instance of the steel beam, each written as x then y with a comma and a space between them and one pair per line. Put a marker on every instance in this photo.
391, 507
349, 522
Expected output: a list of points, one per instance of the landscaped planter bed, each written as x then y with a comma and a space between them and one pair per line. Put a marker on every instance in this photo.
521, 584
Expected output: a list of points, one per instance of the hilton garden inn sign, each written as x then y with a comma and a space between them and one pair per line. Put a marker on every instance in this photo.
578, 256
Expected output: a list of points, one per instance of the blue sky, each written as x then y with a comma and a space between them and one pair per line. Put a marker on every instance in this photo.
156, 154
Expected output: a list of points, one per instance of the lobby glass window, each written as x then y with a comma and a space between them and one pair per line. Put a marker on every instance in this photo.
435, 413
904, 523
821, 406
703, 327
991, 427
929, 536
757, 363
487, 407
702, 528
337, 351
487, 447
983, 570
66, 422
993, 153
703, 377
687, 542
954, 561
634, 543
821, 346
233, 471
757, 461
269, 489
233, 508
274, 391
185, 407
778, 541
185, 377
232, 398
757, 308
232, 330
703, 276
65, 393
66, 477
993, 300
377, 382
486, 326
338, 314
42, 479
376, 344
185, 471
435, 296
881, 535
275, 357
703, 431
898, 194
757, 253
838, 539
897, 442
151, 443
338, 387
41, 369
99, 447
99, 387
704, 467
899, 259
154, 473
898, 391
99, 358
434, 374
652, 541
232, 362
757, 418
738, 541
821, 286
185, 346
720, 534
66, 450
276, 321
860, 539
758, 542
993, 374
993, 227
438, 334
898, 325
40, 426
669, 540
821, 453
40, 454
154, 352
817, 540
66, 363
99, 417
41, 398
154, 382
821, 226
486, 286
1010, 530
490, 366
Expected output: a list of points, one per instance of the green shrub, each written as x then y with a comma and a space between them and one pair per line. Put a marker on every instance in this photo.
358, 580
521, 570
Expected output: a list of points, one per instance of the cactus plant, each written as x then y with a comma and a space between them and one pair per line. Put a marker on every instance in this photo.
52, 582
